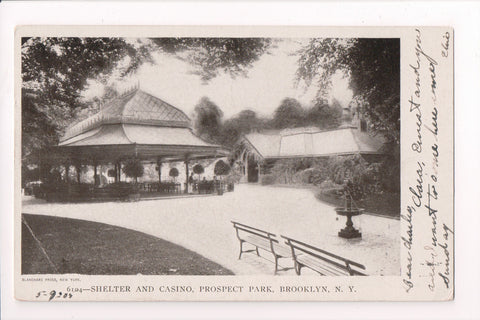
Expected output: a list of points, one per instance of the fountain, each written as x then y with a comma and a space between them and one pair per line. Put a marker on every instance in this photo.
349, 210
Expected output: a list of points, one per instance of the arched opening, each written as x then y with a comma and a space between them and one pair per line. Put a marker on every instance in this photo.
252, 174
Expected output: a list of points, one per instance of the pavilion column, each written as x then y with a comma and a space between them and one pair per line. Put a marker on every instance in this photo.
159, 165
116, 172
67, 172
119, 171
246, 167
95, 175
259, 171
187, 184
78, 171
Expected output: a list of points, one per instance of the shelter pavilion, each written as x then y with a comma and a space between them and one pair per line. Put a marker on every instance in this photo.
260, 150
135, 125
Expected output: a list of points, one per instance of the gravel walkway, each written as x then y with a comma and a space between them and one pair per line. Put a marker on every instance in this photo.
202, 224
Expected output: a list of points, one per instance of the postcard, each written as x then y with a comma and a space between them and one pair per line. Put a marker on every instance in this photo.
170, 163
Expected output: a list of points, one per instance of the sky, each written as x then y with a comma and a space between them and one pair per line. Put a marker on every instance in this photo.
268, 82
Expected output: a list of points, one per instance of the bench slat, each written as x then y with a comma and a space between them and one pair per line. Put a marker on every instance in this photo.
323, 268
298, 244
323, 258
253, 232
322, 261
260, 242
244, 225
265, 244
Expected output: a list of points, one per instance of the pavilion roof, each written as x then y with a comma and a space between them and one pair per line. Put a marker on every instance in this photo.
313, 142
123, 134
133, 107
136, 124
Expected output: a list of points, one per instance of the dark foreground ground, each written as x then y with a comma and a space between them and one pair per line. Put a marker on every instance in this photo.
65, 245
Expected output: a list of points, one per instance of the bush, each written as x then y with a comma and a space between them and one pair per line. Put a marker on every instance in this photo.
221, 168
329, 184
310, 176
173, 173
329, 188
111, 173
267, 179
363, 178
198, 169
133, 169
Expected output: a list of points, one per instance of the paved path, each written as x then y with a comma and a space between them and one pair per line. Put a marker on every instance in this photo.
202, 224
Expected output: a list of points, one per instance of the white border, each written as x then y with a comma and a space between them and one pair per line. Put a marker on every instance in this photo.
464, 17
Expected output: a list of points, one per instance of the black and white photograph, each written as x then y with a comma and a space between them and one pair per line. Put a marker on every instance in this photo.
243, 166
210, 156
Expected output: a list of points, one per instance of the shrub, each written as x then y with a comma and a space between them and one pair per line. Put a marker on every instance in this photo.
363, 178
133, 169
329, 184
198, 169
173, 173
310, 176
221, 168
328, 187
267, 179
111, 173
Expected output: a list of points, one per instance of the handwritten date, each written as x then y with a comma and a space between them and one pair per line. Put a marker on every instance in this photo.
54, 295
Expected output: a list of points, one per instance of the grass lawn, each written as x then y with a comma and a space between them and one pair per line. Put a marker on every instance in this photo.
84, 247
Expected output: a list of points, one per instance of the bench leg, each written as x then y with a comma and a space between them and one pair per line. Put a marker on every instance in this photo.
298, 268
241, 250
276, 264
256, 249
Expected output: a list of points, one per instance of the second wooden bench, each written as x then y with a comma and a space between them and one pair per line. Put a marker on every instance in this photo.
321, 261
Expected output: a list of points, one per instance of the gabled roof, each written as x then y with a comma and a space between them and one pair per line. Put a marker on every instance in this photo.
133, 107
313, 142
266, 144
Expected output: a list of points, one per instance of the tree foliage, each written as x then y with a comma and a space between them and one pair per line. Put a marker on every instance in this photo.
373, 67
289, 114
210, 56
243, 123
55, 71
208, 120
198, 169
173, 173
133, 168
324, 116
221, 168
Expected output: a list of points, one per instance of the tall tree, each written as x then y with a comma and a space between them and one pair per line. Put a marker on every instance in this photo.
54, 73
210, 56
208, 120
289, 114
373, 67
323, 116
243, 123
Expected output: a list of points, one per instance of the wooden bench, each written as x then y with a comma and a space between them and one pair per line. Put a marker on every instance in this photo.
321, 261
260, 239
